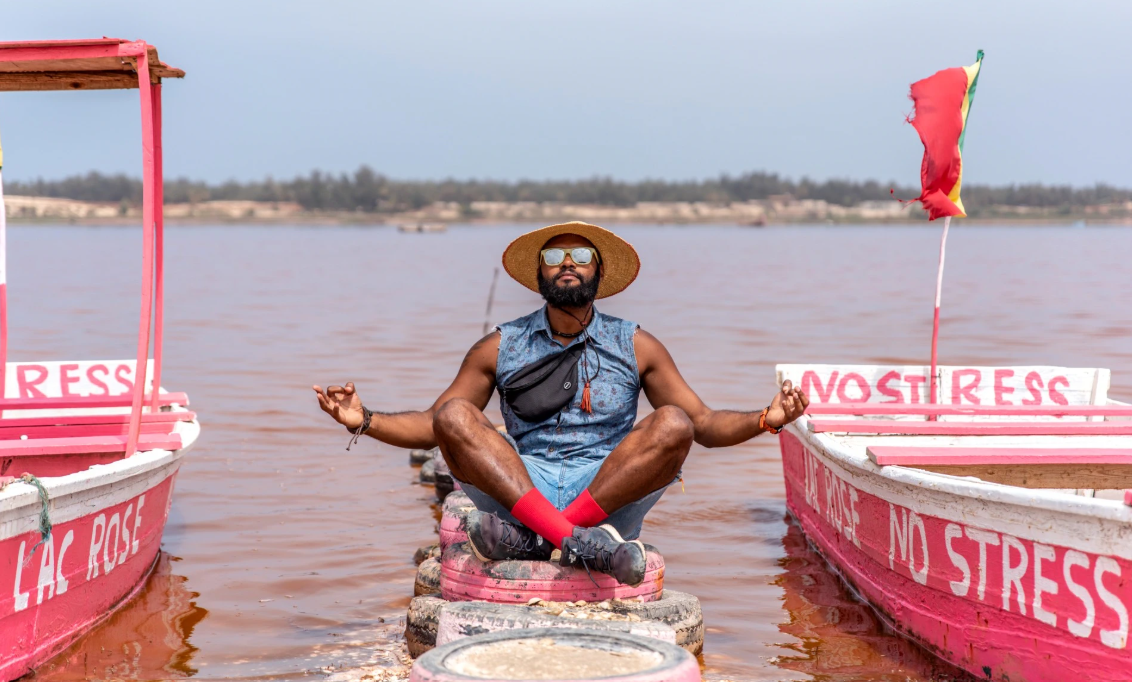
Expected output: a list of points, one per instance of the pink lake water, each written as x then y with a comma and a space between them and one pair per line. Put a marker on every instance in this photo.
285, 554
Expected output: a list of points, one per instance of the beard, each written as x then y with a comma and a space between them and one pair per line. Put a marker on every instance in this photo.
577, 296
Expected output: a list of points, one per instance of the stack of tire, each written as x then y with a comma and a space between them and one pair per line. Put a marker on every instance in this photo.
458, 597
434, 471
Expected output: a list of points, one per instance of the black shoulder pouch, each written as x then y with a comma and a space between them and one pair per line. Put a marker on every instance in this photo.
542, 388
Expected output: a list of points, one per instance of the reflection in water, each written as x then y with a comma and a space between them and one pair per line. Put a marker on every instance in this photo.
841, 639
144, 640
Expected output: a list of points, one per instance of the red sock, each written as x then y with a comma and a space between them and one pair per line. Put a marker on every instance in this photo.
584, 511
537, 513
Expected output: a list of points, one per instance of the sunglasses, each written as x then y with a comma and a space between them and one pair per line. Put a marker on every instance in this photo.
581, 255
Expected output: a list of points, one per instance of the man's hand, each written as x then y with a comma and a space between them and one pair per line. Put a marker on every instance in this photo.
788, 405
342, 403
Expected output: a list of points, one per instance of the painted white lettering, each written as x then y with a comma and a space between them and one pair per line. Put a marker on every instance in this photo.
20, 598
915, 523
897, 536
61, 583
137, 524
958, 587
856, 518
124, 554
108, 561
828, 492
1118, 638
1012, 575
1042, 584
46, 570
1084, 627
97, 536
984, 538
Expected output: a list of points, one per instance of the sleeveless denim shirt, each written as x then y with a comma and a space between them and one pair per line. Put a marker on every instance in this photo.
613, 392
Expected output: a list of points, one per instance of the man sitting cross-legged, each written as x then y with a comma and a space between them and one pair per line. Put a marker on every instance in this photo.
582, 478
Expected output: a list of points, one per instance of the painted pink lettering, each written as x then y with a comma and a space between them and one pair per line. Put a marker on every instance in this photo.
120, 373
28, 386
1001, 390
862, 388
914, 383
96, 381
812, 385
958, 390
1034, 384
66, 379
1055, 395
884, 389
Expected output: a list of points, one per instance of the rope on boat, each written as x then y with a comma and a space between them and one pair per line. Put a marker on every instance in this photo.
44, 516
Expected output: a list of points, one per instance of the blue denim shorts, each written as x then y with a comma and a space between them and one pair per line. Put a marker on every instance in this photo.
561, 481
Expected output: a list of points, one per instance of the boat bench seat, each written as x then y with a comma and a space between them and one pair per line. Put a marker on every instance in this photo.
66, 426
1099, 468
58, 445
98, 401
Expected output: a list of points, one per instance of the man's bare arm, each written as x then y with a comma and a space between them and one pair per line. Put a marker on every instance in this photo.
663, 385
474, 382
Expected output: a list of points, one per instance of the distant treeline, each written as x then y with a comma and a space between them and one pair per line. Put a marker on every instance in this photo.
368, 191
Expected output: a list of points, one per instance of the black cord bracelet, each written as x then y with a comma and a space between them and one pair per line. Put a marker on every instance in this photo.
367, 417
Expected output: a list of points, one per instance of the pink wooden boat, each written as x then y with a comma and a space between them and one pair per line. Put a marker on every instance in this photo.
95, 446
992, 528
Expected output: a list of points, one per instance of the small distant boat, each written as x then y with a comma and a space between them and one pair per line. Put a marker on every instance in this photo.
992, 528
422, 227
89, 450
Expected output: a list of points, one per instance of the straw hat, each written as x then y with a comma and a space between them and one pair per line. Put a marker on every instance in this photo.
521, 259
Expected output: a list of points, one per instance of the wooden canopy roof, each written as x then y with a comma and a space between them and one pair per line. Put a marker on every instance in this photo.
102, 64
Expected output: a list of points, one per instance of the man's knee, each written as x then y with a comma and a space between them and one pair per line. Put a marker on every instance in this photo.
454, 418
674, 426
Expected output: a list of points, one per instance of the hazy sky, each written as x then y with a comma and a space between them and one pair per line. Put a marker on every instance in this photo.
509, 90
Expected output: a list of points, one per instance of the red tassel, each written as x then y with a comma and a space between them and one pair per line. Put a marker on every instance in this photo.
586, 399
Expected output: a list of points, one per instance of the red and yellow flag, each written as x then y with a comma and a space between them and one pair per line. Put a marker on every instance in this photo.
942, 105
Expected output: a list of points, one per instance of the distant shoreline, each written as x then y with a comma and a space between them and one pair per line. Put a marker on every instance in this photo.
324, 221
777, 211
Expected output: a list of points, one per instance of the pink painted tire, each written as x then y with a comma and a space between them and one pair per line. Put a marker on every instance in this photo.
580, 654
453, 519
463, 577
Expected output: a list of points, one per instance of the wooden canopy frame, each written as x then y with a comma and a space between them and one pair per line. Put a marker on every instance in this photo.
105, 64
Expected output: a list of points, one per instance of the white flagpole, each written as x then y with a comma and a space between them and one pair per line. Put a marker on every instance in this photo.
933, 390
3, 289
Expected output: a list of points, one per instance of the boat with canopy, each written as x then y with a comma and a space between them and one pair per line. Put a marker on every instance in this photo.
89, 450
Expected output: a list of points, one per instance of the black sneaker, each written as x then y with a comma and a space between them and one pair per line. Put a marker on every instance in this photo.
603, 549
493, 539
